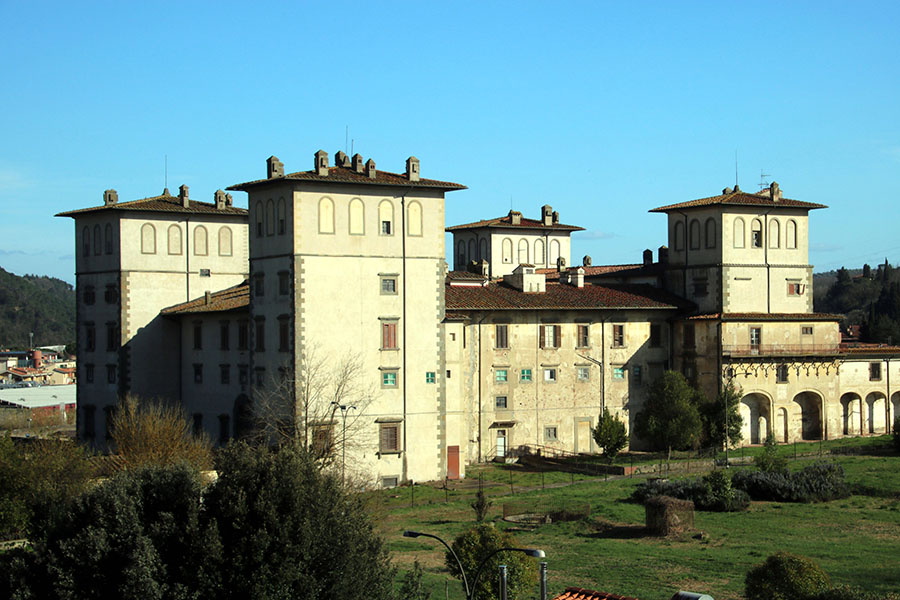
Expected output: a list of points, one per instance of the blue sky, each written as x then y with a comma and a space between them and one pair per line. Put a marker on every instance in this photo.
603, 110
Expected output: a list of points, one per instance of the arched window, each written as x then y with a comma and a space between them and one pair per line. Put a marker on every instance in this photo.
483, 251
507, 250
695, 234
539, 258
201, 241
554, 252
386, 217
756, 240
148, 239
472, 249
414, 220
259, 219
270, 217
461, 255
86, 241
523, 251
174, 239
739, 234
224, 241
774, 233
326, 215
107, 239
357, 217
679, 236
98, 243
282, 218
790, 235
710, 233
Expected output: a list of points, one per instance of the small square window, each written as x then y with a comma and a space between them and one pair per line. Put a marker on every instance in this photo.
875, 371
500, 402
806, 330
500, 376
619, 373
389, 379
448, 373
618, 339
501, 336
389, 437
284, 283
550, 375
111, 373
525, 376
388, 482
389, 335
584, 338
781, 374
198, 373
794, 289
430, 377
385, 228
388, 286
550, 434
584, 373
701, 288
205, 273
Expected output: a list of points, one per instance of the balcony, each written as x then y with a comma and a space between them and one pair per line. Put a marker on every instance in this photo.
780, 349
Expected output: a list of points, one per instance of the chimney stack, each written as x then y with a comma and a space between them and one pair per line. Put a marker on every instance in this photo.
556, 217
586, 260
321, 163
358, 163
547, 214
648, 257
412, 168
515, 217
229, 201
663, 254
183, 196
775, 192
110, 197
370, 169
560, 264
219, 197
274, 167
341, 159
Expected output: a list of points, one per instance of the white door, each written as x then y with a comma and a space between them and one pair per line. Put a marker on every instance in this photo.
501, 443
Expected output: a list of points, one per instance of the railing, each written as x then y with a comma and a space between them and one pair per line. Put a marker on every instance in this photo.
780, 349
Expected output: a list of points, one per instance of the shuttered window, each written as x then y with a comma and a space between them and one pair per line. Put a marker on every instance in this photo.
389, 437
550, 336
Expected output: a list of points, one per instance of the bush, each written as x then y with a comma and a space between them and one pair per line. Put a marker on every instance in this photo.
896, 434
786, 576
610, 435
769, 461
844, 592
819, 482
474, 545
713, 492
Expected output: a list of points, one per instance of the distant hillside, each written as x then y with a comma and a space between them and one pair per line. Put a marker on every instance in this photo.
867, 297
42, 305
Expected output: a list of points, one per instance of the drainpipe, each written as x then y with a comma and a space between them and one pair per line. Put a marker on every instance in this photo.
403, 320
764, 238
887, 401
602, 365
480, 429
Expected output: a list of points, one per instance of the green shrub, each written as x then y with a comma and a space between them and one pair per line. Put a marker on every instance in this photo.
769, 461
786, 576
845, 592
610, 435
714, 492
475, 545
819, 482
896, 436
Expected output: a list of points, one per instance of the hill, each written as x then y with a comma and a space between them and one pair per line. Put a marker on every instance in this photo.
39, 304
867, 297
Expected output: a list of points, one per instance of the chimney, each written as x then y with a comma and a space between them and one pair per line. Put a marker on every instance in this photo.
183, 196
737, 189
357, 163
663, 254
555, 217
220, 199
586, 260
576, 277
110, 197
274, 167
321, 163
412, 168
775, 192
547, 214
648, 257
229, 201
341, 159
560, 264
206, 297
727, 191
515, 217
370, 169
484, 267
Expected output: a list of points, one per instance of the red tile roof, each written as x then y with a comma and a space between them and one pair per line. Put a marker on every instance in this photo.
347, 175
860, 348
165, 202
233, 298
553, 274
741, 199
506, 223
498, 296
766, 317
574, 593
464, 275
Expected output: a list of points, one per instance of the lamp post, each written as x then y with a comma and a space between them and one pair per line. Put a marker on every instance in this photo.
470, 591
344, 410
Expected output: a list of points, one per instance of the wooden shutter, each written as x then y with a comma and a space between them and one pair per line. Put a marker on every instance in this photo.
543, 340
557, 333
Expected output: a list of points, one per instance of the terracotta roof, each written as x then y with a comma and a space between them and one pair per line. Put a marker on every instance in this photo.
346, 175
860, 348
451, 316
233, 298
464, 275
498, 296
766, 317
553, 274
506, 223
741, 199
165, 202
574, 593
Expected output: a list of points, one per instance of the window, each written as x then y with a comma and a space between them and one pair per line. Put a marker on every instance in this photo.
174, 239
679, 236
282, 224
90, 337
550, 434
270, 217
98, 243
201, 241
389, 482
755, 337
523, 251
326, 215
197, 428
224, 334
739, 233
224, 429
774, 234
618, 338
550, 375
109, 294
701, 287
108, 239
389, 437
148, 239
448, 373
243, 374
414, 219
284, 333
806, 330
655, 335
89, 373
260, 373
507, 250
554, 253
710, 233
357, 217
243, 335
224, 374
430, 376
695, 234
110, 373
259, 284
525, 375
260, 332
461, 255
584, 338
539, 253
224, 241
790, 235
198, 335
388, 286
112, 337
259, 219
88, 415
389, 335
584, 373
875, 371
619, 373
690, 336
198, 373
501, 375
386, 217
637, 374
86, 241
284, 283
109, 413
501, 336
781, 374
500, 402
795, 288
756, 240
389, 379
550, 335
89, 295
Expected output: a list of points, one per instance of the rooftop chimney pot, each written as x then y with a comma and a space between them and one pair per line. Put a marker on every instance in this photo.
556, 217
229, 201
321, 163
648, 257
412, 168
515, 217
587, 260
341, 159
547, 214
775, 192
220, 200
110, 197
184, 196
274, 167
357, 163
370, 169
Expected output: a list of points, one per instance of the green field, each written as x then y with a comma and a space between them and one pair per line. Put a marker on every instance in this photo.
857, 540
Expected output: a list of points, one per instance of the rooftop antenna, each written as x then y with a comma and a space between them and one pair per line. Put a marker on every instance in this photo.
346, 137
167, 173
763, 182
352, 141
735, 170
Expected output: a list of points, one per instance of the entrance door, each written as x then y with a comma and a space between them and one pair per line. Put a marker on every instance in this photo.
501, 443
452, 462
583, 441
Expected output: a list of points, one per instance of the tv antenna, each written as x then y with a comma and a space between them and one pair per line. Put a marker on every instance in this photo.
167, 173
763, 179
735, 170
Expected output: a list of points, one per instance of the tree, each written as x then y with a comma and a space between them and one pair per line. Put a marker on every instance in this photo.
669, 419
610, 435
411, 586
481, 505
150, 432
786, 576
769, 461
714, 418
476, 544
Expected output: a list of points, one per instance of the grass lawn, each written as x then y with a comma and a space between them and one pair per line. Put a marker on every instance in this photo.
857, 540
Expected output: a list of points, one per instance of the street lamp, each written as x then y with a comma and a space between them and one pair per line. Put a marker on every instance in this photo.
344, 410
470, 591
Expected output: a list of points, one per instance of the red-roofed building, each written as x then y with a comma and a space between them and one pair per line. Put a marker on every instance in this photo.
575, 593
